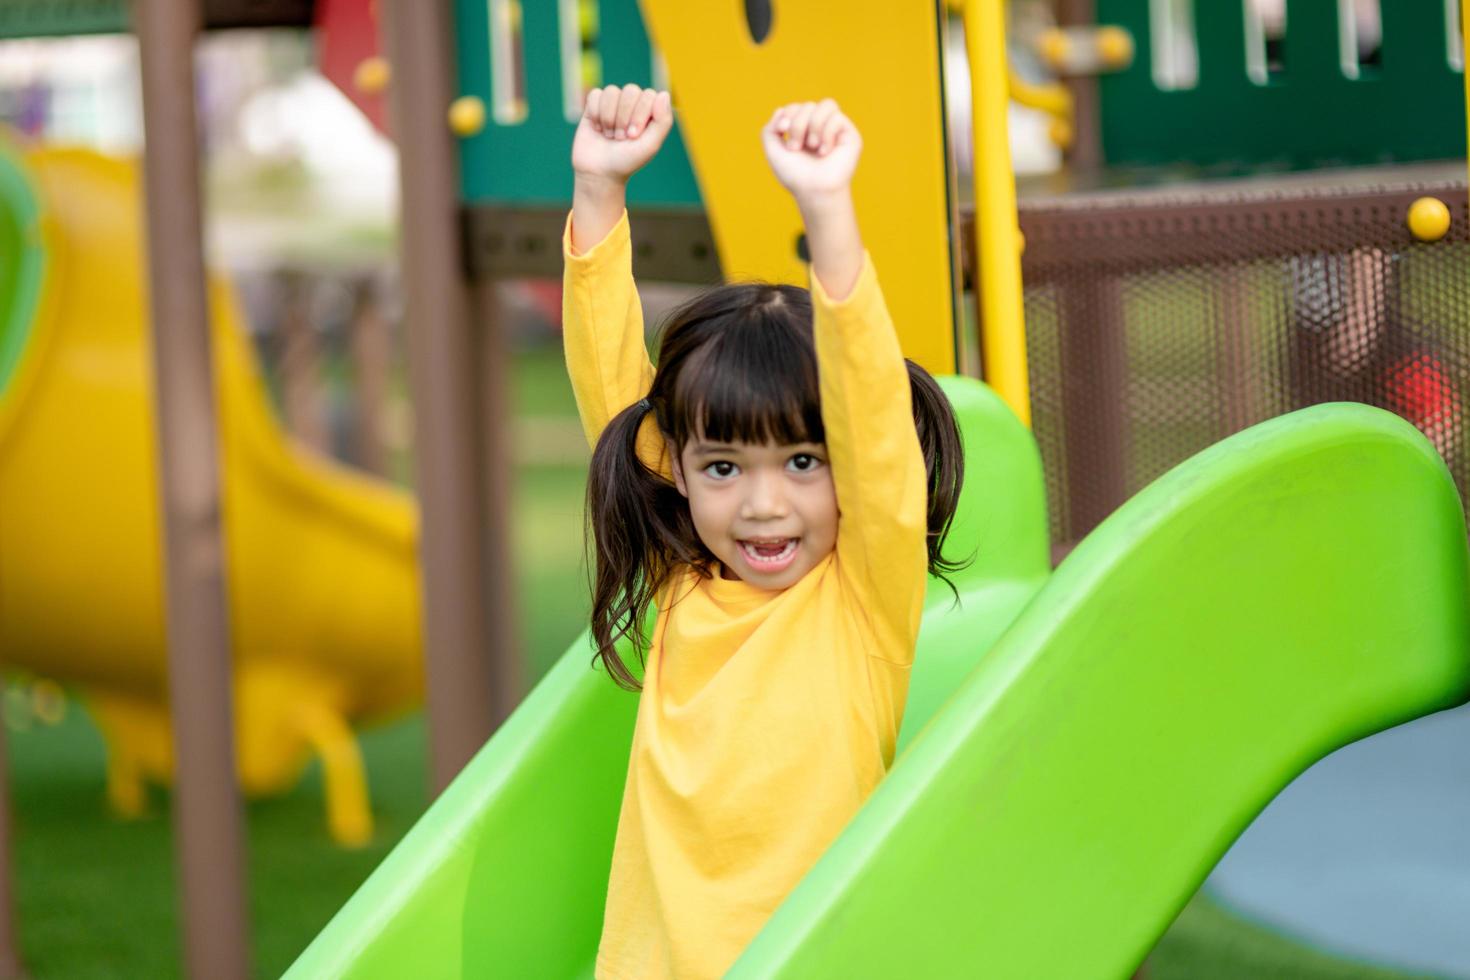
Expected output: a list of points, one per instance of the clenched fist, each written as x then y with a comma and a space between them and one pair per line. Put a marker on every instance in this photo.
812, 147
620, 131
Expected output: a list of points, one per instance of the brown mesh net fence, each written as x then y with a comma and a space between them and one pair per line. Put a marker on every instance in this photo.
1159, 322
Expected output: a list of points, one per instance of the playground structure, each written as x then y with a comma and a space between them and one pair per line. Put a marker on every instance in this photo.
270, 660
331, 641
1220, 557
327, 639
1231, 289
1209, 276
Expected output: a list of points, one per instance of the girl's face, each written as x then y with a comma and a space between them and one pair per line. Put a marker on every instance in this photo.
768, 512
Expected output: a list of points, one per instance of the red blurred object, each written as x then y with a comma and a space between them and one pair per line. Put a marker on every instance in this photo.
545, 296
346, 36
1422, 391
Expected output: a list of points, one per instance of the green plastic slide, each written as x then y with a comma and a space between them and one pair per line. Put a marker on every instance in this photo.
1078, 752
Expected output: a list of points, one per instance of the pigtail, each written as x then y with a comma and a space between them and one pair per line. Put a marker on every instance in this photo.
639, 525
944, 464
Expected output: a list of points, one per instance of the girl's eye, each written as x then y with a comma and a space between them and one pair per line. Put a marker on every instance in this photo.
720, 469
804, 462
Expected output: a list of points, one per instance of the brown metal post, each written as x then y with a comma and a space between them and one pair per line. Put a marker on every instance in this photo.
208, 840
301, 381
1094, 402
497, 452
467, 611
10, 966
1233, 330
1086, 150
370, 342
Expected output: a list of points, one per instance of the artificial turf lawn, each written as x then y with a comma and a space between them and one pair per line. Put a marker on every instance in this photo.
96, 893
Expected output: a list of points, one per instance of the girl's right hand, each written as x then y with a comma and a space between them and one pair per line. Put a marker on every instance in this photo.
621, 130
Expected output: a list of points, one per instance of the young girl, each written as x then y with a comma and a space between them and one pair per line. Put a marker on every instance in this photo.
777, 489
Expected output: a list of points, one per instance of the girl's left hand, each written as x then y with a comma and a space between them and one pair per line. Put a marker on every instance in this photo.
812, 147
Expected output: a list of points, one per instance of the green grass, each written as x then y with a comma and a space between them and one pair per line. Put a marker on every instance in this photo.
96, 894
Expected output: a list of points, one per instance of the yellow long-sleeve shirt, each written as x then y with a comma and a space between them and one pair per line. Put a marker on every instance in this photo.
767, 717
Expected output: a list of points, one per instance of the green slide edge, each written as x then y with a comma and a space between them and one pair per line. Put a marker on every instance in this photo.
22, 274
1294, 588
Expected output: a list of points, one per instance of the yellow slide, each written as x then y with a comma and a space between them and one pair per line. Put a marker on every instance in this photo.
321, 562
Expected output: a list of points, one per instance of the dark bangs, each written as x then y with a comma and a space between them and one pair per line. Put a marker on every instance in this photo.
741, 367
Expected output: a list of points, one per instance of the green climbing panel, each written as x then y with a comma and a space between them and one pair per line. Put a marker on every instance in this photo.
57, 18
1410, 105
526, 162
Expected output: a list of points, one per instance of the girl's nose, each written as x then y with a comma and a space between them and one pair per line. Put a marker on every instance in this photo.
766, 498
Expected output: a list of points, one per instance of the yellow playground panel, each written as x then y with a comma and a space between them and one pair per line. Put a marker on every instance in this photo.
728, 84
321, 561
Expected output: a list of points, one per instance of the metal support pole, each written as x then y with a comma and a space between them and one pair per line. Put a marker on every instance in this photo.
1086, 151
1094, 402
10, 965
997, 232
1465, 47
497, 476
208, 839
301, 359
370, 343
467, 609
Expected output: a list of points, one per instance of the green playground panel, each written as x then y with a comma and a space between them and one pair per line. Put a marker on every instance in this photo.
528, 162
58, 18
1079, 750
24, 266
1409, 107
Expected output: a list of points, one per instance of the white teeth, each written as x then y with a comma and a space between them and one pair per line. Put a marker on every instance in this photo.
757, 558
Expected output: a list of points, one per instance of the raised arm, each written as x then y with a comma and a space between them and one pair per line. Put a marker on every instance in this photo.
872, 446
621, 130
813, 150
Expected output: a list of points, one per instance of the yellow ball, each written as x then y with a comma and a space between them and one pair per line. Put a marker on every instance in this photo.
1114, 47
372, 76
591, 70
467, 115
1020, 242
587, 18
1055, 48
1429, 219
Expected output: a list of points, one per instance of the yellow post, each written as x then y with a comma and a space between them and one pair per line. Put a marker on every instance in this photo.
997, 232
1465, 47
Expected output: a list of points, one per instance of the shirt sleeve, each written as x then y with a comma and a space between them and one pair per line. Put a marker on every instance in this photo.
877, 464
602, 327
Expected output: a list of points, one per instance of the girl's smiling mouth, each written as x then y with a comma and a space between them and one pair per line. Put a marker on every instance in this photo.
768, 556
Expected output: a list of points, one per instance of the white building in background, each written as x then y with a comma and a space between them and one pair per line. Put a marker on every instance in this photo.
74, 90
262, 105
